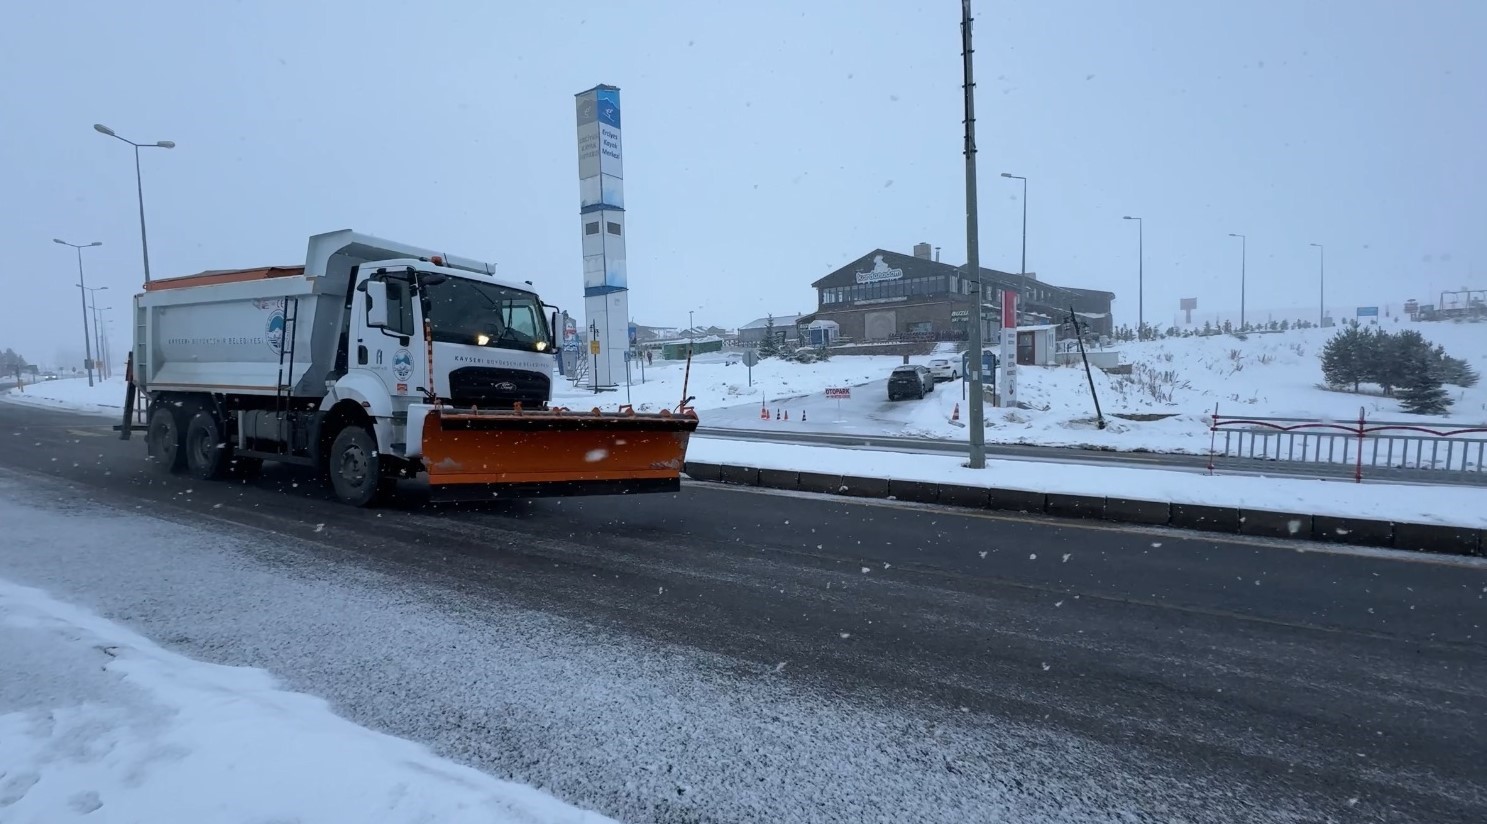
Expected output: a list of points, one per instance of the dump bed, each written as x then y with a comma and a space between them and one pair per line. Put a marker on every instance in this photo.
223, 331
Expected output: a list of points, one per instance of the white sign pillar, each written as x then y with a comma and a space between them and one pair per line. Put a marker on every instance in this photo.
601, 209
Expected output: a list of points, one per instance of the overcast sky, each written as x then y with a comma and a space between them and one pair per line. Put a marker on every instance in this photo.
764, 145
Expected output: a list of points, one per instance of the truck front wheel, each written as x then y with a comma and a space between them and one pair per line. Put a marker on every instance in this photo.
206, 453
356, 469
163, 439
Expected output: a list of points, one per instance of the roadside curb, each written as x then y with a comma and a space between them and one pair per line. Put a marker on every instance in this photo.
1446, 540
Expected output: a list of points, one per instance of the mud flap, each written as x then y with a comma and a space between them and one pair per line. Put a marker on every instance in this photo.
526, 454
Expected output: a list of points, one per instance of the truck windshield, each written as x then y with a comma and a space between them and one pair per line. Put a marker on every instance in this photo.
466, 311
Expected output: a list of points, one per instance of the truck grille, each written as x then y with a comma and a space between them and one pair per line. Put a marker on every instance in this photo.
492, 388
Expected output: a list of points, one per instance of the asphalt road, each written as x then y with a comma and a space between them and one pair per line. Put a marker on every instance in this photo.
1239, 679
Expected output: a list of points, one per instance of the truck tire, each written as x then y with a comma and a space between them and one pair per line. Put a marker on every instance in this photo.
206, 452
163, 439
356, 469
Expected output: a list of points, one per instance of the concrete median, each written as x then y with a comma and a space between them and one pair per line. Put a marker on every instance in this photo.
1197, 517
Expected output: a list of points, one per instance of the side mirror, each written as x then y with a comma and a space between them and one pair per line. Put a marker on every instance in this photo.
376, 303
552, 329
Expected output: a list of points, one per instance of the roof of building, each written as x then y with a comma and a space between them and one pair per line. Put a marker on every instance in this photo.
882, 264
884, 261
763, 323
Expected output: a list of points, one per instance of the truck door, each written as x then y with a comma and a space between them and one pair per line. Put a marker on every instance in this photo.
390, 344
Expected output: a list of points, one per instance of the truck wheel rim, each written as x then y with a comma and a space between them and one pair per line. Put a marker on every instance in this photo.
201, 448
354, 465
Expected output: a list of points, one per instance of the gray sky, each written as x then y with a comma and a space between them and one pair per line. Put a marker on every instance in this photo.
764, 145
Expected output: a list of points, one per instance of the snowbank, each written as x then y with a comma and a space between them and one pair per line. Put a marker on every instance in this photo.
1452, 506
72, 395
95, 718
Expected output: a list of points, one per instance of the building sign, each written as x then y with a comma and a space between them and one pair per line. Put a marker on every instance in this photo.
960, 315
839, 393
879, 272
1368, 311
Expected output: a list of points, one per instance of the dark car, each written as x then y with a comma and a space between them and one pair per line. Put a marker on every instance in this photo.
910, 382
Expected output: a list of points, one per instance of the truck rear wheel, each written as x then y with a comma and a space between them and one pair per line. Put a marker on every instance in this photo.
356, 469
163, 439
206, 453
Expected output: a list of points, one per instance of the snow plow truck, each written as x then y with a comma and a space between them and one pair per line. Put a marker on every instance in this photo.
376, 361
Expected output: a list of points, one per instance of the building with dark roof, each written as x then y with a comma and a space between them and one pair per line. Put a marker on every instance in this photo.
886, 296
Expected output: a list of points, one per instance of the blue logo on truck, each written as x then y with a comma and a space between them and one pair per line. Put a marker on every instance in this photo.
274, 332
402, 364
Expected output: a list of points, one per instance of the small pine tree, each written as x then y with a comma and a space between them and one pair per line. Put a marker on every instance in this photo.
1424, 393
1207, 328
1458, 372
769, 347
1346, 358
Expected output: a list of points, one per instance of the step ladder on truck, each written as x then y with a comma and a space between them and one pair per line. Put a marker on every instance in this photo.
375, 361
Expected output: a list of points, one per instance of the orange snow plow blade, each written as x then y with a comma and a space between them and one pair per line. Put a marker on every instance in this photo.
519, 454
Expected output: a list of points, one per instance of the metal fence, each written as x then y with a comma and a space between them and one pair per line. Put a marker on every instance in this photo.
1394, 448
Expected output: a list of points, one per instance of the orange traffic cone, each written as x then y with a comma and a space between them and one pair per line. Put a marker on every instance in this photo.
763, 413
955, 415
787, 414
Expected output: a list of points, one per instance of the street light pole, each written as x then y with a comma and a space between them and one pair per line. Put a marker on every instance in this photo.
1321, 285
973, 252
82, 291
1243, 252
100, 362
144, 244
1140, 276
1008, 175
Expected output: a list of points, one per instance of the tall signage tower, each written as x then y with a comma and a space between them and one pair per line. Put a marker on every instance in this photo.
601, 210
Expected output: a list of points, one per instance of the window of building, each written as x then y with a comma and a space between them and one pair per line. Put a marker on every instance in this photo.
591, 228
921, 327
614, 228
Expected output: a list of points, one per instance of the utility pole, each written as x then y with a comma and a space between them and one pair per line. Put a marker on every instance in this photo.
973, 252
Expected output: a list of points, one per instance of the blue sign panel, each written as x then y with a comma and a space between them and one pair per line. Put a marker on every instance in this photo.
1368, 311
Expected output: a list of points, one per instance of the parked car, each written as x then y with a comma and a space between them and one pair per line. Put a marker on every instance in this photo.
910, 381
944, 369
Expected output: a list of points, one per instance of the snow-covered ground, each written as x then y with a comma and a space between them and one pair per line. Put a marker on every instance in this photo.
98, 723
1454, 506
72, 394
1181, 380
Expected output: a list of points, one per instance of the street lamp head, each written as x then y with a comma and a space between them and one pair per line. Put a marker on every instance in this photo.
1128, 217
1318, 245
96, 243
166, 144
59, 240
1006, 174
1235, 234
102, 129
